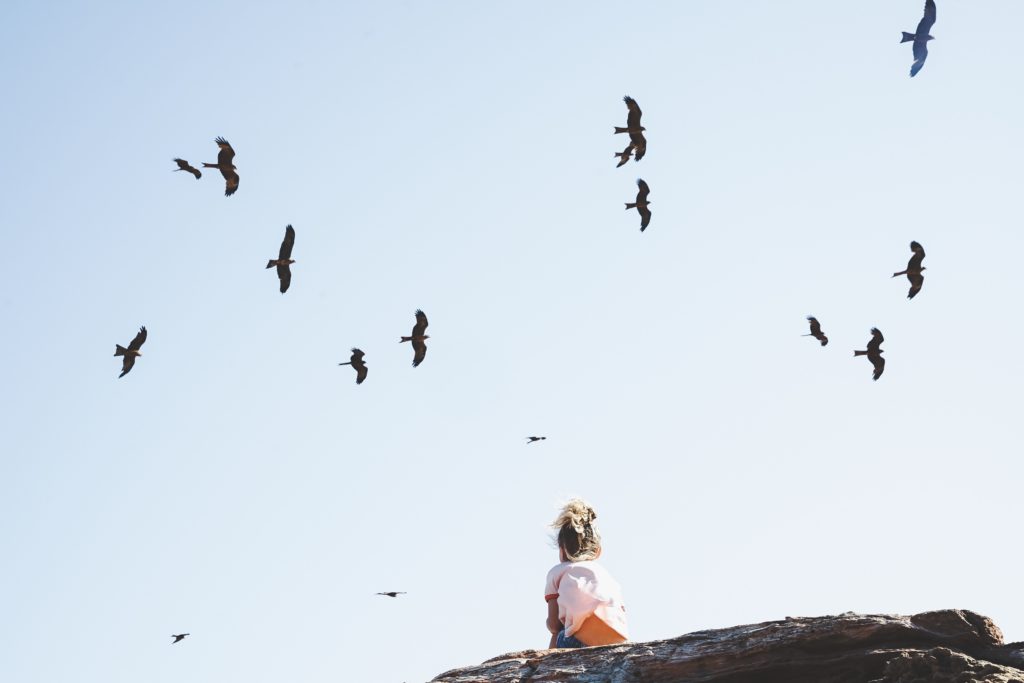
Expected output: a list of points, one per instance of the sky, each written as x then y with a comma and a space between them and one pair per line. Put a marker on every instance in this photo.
458, 158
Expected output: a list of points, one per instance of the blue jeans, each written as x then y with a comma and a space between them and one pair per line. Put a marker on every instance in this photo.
567, 641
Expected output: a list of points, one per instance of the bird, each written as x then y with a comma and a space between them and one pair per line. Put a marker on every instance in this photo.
633, 127
227, 168
874, 353
534, 439
641, 204
184, 166
284, 259
178, 638
357, 363
392, 594
914, 270
921, 37
417, 338
624, 155
816, 331
132, 352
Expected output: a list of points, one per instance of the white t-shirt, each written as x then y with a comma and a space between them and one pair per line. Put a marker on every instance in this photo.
584, 589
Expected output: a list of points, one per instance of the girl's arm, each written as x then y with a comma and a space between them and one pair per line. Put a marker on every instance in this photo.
553, 624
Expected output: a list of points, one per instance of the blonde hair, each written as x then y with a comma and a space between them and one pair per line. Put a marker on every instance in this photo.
577, 535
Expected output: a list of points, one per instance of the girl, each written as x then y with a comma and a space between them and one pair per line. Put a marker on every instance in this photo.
584, 602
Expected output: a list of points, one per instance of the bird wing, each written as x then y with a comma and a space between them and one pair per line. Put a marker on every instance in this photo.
284, 274
127, 363
139, 340
815, 325
231, 180
633, 118
185, 166
927, 21
226, 153
641, 195
421, 324
876, 341
639, 145
360, 367
916, 282
420, 352
879, 363
920, 54
645, 217
917, 258
287, 243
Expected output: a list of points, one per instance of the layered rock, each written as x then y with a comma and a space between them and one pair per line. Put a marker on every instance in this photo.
954, 646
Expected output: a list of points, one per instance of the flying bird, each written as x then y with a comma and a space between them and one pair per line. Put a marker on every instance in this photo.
392, 594
816, 330
227, 168
357, 363
178, 638
284, 259
874, 352
641, 204
914, 269
633, 127
921, 37
184, 166
624, 155
417, 338
534, 439
131, 353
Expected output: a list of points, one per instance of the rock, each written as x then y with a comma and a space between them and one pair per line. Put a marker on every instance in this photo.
932, 647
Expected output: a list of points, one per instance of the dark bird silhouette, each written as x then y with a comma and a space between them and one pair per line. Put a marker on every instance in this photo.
284, 259
641, 204
816, 331
921, 37
178, 638
633, 127
132, 352
227, 168
392, 594
874, 352
534, 439
357, 363
417, 338
184, 166
624, 155
914, 270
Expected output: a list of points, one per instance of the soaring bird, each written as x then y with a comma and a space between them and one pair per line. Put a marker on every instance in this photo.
417, 338
633, 127
624, 155
184, 166
874, 352
132, 352
357, 363
392, 594
178, 638
641, 204
816, 331
227, 169
921, 37
914, 269
534, 439
284, 259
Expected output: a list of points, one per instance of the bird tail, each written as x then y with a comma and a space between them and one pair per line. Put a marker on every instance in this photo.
860, 353
206, 165
621, 130
630, 206
902, 272
907, 37
271, 263
404, 339
348, 363
120, 350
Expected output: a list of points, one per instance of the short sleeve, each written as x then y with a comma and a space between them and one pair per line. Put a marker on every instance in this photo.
552, 581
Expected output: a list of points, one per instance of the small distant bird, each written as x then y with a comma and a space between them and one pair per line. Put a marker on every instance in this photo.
358, 364
874, 352
284, 259
227, 168
624, 155
816, 330
184, 166
417, 338
534, 439
921, 37
178, 638
914, 269
392, 594
641, 204
633, 127
132, 352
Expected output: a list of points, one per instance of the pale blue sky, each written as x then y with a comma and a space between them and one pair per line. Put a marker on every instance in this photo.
239, 486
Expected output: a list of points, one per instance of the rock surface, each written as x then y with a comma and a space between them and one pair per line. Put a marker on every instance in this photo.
954, 646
